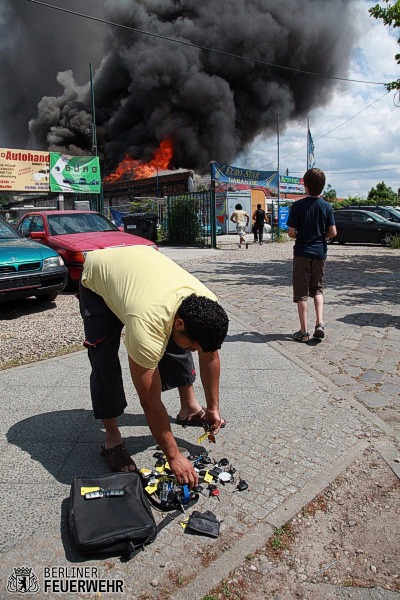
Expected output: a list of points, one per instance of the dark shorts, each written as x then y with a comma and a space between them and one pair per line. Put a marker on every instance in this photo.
103, 337
308, 277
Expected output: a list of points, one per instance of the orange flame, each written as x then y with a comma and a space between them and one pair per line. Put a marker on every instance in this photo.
130, 168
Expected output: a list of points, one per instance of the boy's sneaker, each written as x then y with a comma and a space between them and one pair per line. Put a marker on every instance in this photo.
319, 332
301, 337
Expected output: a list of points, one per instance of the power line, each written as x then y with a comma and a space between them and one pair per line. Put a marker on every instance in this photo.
191, 45
328, 132
355, 172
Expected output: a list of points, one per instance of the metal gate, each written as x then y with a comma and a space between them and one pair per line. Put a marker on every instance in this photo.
187, 220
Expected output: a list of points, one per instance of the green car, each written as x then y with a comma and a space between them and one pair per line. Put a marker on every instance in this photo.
28, 268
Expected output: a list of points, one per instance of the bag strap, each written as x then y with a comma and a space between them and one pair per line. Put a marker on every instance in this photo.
168, 519
172, 515
133, 550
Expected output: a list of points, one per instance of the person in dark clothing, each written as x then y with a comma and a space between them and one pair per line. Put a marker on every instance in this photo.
311, 223
259, 219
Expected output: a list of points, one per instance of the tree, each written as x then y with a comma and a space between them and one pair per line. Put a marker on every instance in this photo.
351, 201
5, 200
330, 194
390, 16
382, 195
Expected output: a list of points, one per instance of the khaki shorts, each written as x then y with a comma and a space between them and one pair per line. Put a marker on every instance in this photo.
241, 229
308, 277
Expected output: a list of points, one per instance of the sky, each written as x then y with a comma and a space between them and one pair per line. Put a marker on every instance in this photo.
356, 155
364, 151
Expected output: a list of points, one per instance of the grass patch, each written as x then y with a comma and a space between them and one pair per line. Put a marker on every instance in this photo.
395, 242
282, 539
31, 359
236, 589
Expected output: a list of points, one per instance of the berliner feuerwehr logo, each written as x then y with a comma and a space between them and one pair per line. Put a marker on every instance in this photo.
22, 580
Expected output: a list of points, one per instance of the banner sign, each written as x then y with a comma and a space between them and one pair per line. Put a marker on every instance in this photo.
283, 216
229, 174
291, 185
74, 174
24, 170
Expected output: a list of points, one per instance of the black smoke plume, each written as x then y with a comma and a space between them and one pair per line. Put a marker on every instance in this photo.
211, 106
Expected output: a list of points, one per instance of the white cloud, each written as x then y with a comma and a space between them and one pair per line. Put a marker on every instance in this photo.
366, 150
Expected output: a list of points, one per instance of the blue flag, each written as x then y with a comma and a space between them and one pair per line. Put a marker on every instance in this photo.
310, 151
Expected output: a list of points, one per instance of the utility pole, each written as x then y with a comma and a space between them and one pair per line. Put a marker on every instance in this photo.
100, 203
279, 183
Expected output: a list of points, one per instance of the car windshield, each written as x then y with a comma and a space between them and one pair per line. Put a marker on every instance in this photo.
377, 217
7, 232
79, 223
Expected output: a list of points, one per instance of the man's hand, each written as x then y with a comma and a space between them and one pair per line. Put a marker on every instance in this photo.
209, 372
214, 420
183, 471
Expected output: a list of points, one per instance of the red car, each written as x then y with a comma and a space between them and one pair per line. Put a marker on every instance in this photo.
74, 233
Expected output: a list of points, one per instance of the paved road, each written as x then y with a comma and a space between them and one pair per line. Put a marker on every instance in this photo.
298, 415
361, 352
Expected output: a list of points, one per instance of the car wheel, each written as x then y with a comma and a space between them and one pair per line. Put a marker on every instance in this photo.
71, 285
47, 297
386, 239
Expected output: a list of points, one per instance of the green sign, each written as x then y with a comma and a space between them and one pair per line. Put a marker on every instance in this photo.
74, 174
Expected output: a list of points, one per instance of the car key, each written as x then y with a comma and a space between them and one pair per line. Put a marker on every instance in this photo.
94, 495
215, 493
114, 493
241, 486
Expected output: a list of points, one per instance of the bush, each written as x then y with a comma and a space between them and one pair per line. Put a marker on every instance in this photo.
395, 243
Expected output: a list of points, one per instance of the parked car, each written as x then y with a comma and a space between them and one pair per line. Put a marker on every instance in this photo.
363, 226
28, 268
387, 212
206, 229
74, 233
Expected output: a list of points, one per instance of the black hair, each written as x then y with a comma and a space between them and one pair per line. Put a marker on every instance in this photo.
314, 181
205, 321
258, 206
238, 207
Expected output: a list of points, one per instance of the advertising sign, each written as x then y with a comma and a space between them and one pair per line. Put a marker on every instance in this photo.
220, 210
229, 174
24, 170
283, 217
291, 185
74, 174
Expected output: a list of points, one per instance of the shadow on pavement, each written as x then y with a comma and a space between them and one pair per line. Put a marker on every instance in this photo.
367, 319
256, 338
12, 310
67, 442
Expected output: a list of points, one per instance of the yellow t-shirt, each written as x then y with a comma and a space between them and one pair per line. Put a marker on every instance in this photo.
144, 289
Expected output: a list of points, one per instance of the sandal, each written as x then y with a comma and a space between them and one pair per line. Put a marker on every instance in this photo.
197, 420
118, 457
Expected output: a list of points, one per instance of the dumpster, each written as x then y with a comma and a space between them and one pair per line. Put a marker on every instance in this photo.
141, 224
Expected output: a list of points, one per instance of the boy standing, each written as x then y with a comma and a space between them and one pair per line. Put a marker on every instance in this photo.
311, 224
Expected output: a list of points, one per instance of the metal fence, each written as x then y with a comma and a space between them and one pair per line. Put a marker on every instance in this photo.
187, 220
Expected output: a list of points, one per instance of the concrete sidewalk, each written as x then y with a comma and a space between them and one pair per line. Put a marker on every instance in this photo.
288, 444
290, 433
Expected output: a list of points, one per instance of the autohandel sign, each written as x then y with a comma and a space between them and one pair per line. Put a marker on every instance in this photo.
291, 185
74, 174
229, 174
24, 170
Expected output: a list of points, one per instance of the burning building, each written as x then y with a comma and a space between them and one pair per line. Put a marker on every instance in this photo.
134, 179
